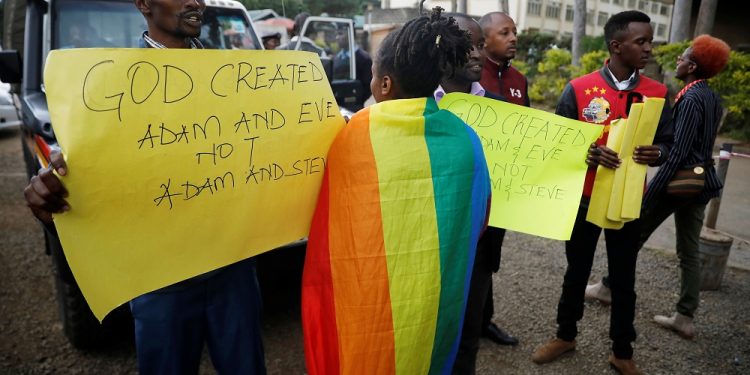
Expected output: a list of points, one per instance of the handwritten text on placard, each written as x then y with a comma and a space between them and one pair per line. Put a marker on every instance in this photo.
191, 159
535, 160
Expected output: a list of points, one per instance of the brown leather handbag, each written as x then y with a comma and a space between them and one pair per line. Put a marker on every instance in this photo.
687, 182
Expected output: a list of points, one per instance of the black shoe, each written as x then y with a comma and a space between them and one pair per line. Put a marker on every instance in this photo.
499, 336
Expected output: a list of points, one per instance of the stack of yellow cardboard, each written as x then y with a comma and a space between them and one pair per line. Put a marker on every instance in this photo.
617, 194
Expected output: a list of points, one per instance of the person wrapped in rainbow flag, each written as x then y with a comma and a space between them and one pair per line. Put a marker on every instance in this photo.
403, 201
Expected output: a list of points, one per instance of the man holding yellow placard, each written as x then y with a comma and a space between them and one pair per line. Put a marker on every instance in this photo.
602, 97
221, 307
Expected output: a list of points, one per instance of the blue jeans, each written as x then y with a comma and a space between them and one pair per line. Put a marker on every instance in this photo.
221, 309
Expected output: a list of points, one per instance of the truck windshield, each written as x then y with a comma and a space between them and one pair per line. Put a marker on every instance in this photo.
227, 28
114, 23
88, 24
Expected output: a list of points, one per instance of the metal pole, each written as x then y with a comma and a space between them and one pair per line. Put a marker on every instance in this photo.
721, 170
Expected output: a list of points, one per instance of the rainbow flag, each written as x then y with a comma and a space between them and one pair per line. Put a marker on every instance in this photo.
392, 242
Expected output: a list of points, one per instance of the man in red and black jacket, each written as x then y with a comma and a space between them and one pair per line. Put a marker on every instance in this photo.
601, 97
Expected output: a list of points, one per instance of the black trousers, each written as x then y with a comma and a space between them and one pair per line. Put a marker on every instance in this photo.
622, 253
479, 304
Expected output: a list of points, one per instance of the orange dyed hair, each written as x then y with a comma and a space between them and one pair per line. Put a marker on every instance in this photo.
710, 54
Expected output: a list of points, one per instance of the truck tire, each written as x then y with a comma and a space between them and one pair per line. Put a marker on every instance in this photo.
80, 325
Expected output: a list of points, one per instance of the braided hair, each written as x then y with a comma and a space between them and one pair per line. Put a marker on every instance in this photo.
420, 53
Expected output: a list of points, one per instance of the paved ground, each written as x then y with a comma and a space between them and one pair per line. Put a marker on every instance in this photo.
526, 293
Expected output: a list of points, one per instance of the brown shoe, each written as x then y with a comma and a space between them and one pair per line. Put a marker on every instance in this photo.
551, 350
624, 366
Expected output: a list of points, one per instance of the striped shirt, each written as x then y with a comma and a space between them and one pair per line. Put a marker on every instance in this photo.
696, 122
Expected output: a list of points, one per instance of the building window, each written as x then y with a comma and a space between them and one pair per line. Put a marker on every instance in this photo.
553, 11
641, 5
590, 17
665, 10
653, 25
655, 8
605, 1
661, 30
631, 4
535, 8
618, 2
602, 18
569, 13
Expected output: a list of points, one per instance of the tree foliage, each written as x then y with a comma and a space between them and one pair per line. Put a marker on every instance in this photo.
553, 72
593, 43
532, 46
591, 61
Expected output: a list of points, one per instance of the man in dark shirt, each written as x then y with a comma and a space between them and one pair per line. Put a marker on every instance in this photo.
498, 76
498, 79
220, 308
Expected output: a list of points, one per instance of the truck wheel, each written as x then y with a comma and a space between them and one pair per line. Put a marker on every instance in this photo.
80, 326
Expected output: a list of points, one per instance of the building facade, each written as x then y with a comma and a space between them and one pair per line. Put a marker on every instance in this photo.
556, 16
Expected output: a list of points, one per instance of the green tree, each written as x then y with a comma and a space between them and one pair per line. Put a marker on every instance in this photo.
553, 72
521, 66
532, 47
593, 43
733, 85
590, 62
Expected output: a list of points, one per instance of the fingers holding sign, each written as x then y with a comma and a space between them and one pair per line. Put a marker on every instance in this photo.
45, 193
602, 155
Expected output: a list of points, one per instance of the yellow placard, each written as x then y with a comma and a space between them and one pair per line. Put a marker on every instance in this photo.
536, 162
184, 161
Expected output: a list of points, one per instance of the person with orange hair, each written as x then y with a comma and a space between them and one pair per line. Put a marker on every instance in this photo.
696, 117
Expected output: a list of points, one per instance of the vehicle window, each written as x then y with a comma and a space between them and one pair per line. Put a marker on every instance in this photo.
89, 24
334, 40
227, 29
